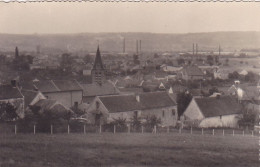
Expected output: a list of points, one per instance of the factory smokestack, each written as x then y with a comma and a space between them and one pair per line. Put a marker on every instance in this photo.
137, 46
140, 44
124, 46
196, 49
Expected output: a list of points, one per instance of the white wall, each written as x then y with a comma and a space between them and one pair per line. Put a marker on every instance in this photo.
225, 121
66, 98
193, 112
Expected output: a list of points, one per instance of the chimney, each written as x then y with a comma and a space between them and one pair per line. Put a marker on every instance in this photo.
218, 96
13, 83
137, 97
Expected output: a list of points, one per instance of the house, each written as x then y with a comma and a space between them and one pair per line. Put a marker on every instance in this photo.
90, 91
51, 105
191, 73
105, 109
221, 74
11, 94
208, 112
67, 92
31, 97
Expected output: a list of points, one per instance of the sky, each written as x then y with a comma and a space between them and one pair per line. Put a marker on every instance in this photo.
154, 17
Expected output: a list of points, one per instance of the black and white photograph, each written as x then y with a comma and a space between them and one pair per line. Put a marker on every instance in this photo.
129, 83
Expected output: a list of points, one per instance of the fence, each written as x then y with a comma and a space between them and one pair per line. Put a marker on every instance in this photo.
52, 129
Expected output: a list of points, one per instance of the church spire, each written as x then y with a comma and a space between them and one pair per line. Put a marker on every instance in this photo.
98, 61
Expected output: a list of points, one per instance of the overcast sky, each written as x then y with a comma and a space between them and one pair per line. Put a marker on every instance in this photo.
128, 17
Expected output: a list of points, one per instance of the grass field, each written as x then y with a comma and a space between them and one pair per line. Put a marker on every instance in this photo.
107, 149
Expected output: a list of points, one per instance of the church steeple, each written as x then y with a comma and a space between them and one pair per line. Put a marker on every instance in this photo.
98, 70
98, 61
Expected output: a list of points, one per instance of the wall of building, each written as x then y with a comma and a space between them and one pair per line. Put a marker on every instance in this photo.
193, 112
229, 121
67, 98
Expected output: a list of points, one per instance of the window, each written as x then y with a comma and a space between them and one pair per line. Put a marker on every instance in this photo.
173, 112
163, 114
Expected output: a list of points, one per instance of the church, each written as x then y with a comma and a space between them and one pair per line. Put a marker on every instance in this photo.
98, 71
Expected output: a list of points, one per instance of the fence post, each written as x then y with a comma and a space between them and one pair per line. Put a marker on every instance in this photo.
34, 129
68, 129
233, 132
142, 129
114, 129
155, 129
202, 131
15, 129
243, 133
213, 132
168, 129
180, 130
252, 133
84, 129
51, 130
191, 130
223, 132
128, 128
100, 128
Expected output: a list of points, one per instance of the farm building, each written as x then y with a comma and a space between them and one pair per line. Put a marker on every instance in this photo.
220, 111
105, 109
66, 92
31, 97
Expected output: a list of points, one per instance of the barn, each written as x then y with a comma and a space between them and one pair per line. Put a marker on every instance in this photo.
220, 111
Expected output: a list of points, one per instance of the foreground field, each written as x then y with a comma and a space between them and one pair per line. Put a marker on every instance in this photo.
61, 150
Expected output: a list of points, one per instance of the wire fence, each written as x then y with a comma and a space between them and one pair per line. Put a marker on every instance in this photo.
52, 129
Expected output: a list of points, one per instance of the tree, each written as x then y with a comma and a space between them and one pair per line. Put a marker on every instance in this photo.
183, 100
180, 61
152, 121
8, 112
251, 77
136, 122
234, 75
210, 60
248, 118
216, 59
227, 60
213, 90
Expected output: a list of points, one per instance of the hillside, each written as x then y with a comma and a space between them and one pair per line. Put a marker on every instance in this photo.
113, 42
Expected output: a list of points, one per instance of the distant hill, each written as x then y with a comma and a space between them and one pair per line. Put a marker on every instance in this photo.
113, 42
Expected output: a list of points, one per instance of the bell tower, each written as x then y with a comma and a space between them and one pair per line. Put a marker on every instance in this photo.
98, 70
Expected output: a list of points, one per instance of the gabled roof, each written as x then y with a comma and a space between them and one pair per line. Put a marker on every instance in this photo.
98, 61
49, 104
193, 70
122, 103
94, 89
9, 92
216, 106
57, 85
28, 96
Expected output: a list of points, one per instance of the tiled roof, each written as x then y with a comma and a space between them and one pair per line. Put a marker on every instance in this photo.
45, 104
193, 70
97, 90
121, 103
214, 106
9, 92
57, 85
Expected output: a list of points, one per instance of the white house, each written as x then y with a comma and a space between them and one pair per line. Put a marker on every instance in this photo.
105, 109
220, 111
